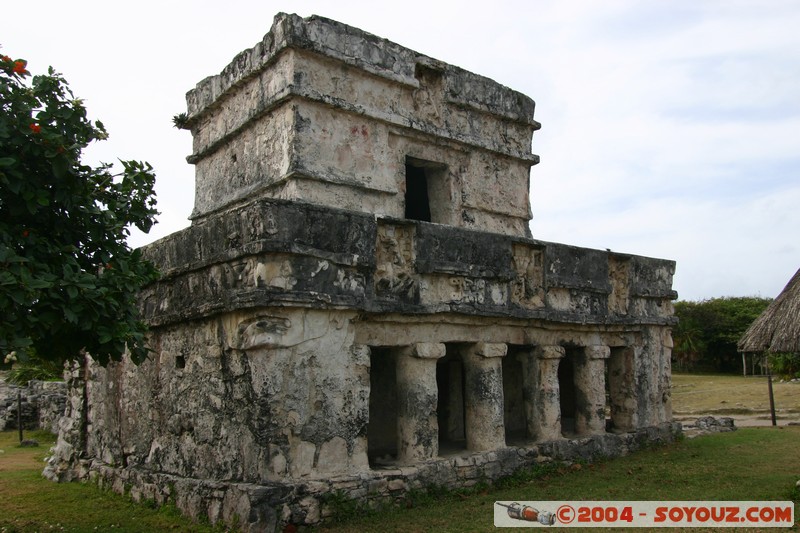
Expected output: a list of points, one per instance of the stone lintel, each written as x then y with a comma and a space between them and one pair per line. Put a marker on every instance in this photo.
598, 351
424, 350
491, 349
550, 352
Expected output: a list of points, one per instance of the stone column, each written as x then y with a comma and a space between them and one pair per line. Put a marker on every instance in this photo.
360, 357
665, 376
417, 427
590, 385
542, 400
652, 377
622, 389
483, 394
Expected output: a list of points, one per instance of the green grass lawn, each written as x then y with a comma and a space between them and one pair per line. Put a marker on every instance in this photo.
30, 503
749, 464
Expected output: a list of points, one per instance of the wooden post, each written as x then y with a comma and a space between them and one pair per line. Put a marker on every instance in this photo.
771, 396
19, 414
744, 364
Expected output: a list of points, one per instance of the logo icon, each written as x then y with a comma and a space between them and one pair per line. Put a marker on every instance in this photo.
527, 513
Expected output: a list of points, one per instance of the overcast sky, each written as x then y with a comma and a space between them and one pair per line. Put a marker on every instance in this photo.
670, 128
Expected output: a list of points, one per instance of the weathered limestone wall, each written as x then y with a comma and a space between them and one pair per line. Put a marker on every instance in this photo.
276, 251
247, 397
297, 119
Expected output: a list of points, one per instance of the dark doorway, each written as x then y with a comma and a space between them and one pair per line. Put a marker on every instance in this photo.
450, 406
382, 427
566, 388
513, 397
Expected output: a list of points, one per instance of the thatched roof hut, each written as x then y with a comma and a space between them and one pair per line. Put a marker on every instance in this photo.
778, 327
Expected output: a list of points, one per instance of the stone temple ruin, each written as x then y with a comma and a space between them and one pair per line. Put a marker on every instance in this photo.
358, 304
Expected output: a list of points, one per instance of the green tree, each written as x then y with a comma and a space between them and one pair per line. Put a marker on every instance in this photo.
34, 367
68, 279
707, 331
687, 337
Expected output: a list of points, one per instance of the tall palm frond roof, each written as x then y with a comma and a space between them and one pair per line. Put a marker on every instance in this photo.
778, 327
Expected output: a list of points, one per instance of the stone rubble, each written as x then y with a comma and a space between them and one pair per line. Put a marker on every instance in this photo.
43, 404
706, 425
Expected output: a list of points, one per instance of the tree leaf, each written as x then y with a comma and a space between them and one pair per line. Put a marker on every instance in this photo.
70, 315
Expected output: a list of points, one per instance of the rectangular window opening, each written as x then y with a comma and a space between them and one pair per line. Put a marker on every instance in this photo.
425, 191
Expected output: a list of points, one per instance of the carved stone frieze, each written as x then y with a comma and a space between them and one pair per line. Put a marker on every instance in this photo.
395, 275
266, 331
528, 284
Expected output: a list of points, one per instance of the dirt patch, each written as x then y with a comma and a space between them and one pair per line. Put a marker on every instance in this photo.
745, 399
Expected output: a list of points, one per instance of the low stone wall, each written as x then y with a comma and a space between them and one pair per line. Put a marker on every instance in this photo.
708, 424
270, 507
43, 404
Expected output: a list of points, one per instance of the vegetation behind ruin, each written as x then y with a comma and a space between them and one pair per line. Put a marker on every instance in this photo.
706, 336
